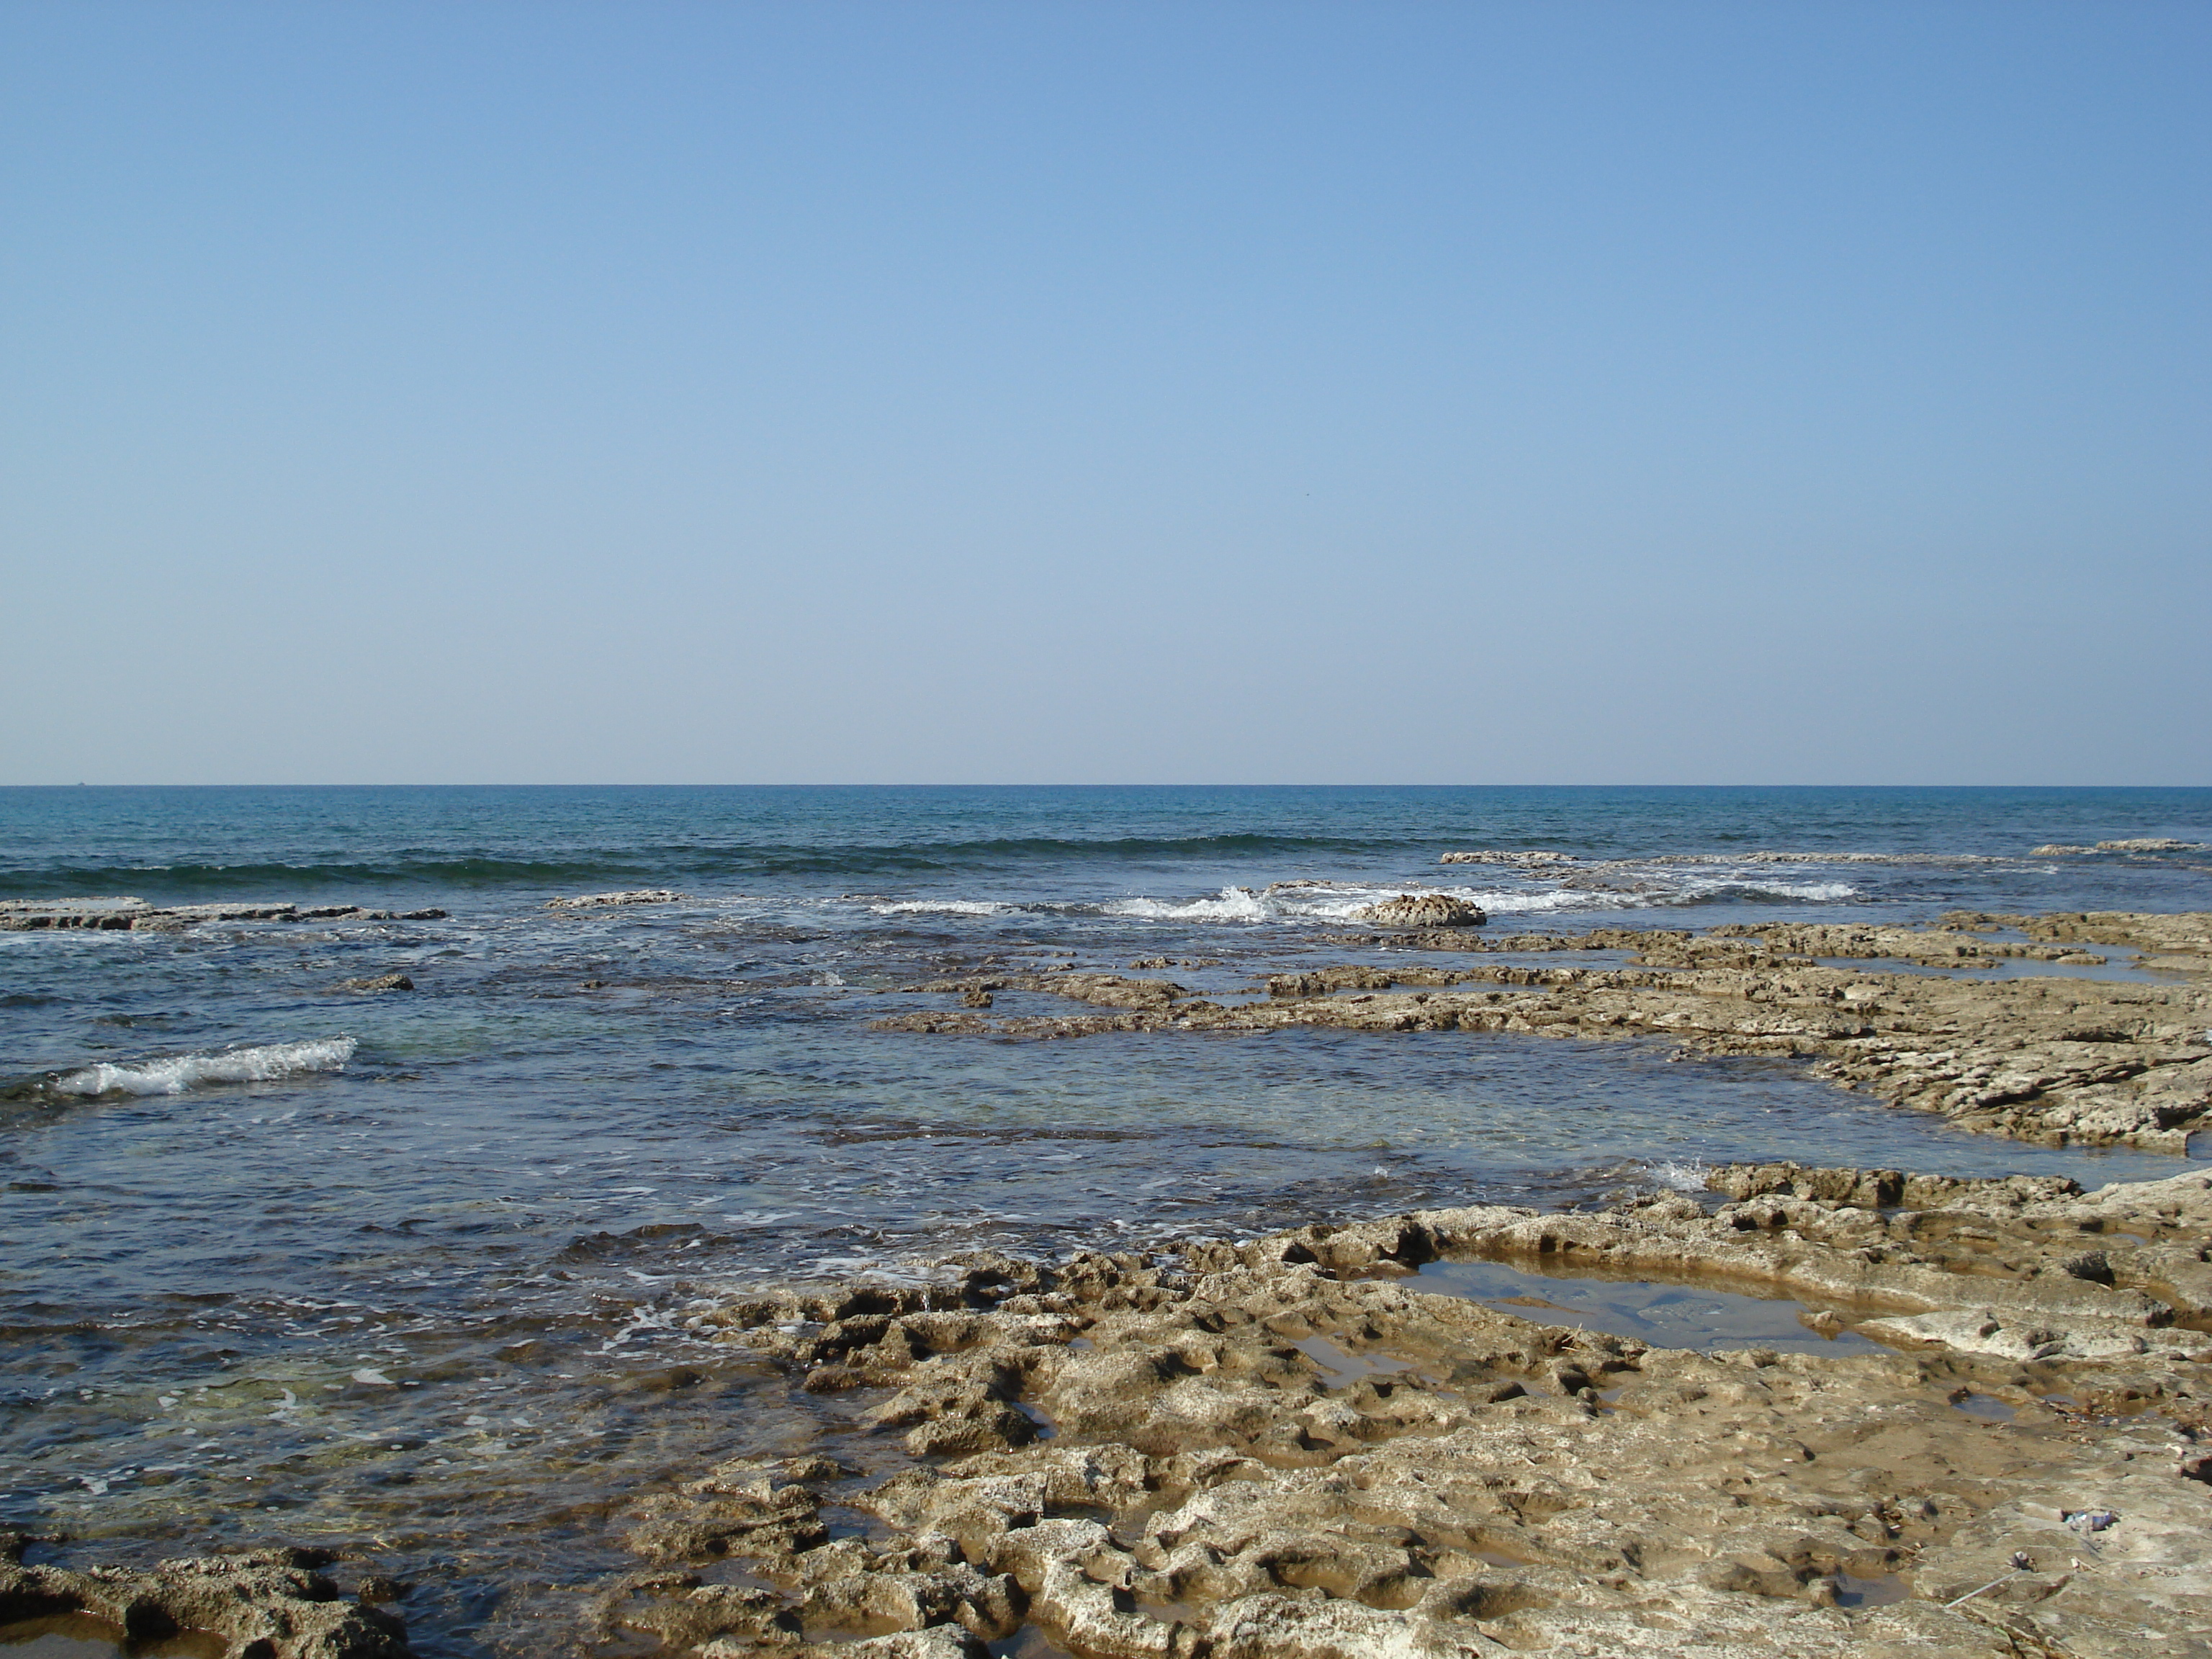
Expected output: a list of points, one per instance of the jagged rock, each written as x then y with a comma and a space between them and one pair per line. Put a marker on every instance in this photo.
263, 1604
1458, 1480
136, 914
2057, 1060
381, 982
1422, 910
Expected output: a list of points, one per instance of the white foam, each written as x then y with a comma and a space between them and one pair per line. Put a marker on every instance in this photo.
266, 1064
1682, 1177
1557, 899
940, 907
1230, 904
1333, 901
1762, 886
1342, 901
1821, 891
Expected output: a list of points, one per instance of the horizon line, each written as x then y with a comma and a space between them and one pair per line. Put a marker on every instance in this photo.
488, 784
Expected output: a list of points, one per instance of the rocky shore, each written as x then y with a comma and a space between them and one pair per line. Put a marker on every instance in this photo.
2052, 1060
1292, 1448
267, 1604
1992, 1437
136, 915
1289, 1447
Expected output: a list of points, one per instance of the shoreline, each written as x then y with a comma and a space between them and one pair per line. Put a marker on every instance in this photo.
1292, 1446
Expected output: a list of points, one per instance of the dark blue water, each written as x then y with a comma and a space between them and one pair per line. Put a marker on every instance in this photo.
413, 1271
1046, 844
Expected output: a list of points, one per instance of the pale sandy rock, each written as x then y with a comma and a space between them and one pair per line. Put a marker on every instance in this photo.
1499, 1485
2057, 1060
264, 1604
1422, 910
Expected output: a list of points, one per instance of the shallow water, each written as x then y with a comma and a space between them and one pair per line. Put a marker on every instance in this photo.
1663, 1315
77, 1637
411, 1273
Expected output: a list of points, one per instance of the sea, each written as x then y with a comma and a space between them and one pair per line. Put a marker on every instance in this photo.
417, 1275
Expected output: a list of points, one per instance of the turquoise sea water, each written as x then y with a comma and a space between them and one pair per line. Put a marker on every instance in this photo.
411, 1272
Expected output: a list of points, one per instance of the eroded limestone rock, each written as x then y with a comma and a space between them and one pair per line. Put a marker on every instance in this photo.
1289, 1447
2052, 1060
265, 1604
629, 895
1422, 910
136, 914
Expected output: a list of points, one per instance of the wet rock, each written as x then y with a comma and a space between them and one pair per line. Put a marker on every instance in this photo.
2058, 1061
381, 982
938, 1642
26, 915
263, 1604
1532, 856
1287, 1447
602, 901
136, 914
1422, 910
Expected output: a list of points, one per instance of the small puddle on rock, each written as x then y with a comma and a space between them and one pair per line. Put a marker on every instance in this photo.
1173, 1613
1347, 1368
1987, 1406
1664, 1316
1853, 1591
1028, 1643
80, 1636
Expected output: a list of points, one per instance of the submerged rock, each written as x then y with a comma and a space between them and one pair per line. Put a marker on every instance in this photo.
381, 982
2057, 1060
2137, 844
1532, 855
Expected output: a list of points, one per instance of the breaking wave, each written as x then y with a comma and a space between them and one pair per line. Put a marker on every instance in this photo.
1678, 1175
942, 908
181, 1072
1342, 901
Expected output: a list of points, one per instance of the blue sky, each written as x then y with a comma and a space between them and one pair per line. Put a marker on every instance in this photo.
1105, 392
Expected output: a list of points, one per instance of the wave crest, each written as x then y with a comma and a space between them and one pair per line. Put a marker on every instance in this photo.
175, 1076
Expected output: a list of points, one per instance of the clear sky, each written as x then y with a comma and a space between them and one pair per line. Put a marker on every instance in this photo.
1067, 392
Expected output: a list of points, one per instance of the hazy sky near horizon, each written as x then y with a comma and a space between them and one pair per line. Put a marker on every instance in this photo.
1058, 392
